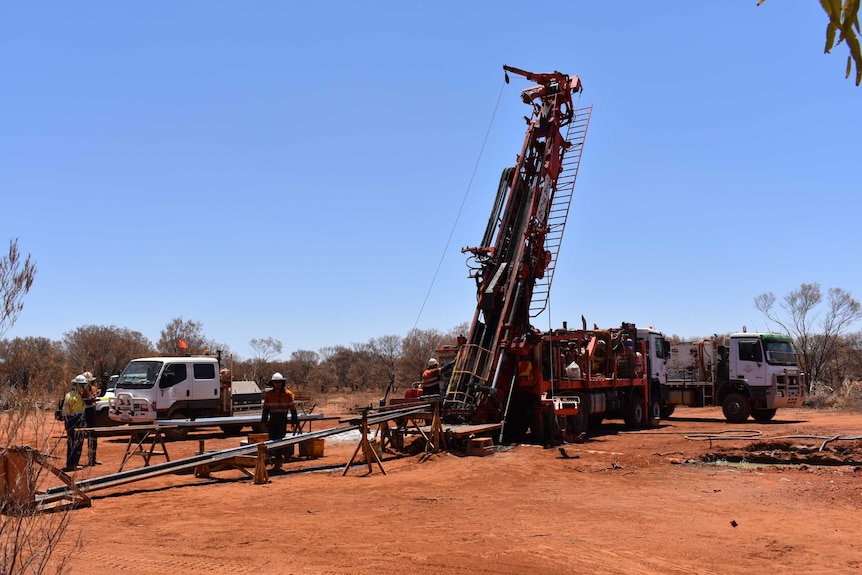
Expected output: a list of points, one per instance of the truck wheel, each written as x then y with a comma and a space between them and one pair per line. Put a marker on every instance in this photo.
102, 419
764, 415
579, 423
594, 420
736, 408
654, 412
667, 411
231, 430
177, 433
635, 416
538, 427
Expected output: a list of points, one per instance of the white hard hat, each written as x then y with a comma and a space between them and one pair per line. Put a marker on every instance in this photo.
432, 363
276, 377
80, 380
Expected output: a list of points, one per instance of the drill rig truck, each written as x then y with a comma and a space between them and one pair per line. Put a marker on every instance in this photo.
544, 387
497, 376
615, 373
747, 374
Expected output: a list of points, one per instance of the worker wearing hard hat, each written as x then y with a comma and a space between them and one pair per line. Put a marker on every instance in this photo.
432, 378
73, 417
277, 404
90, 396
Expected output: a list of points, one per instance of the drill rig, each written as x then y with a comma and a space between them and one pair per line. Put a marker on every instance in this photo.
497, 376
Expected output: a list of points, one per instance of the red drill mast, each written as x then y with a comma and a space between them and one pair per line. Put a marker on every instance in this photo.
497, 373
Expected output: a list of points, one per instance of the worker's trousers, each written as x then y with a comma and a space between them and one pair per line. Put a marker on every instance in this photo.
74, 440
92, 440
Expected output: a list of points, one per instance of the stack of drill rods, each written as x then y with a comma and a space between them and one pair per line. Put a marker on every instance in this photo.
62, 492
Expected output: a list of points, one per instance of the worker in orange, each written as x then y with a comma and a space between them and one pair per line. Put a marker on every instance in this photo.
277, 404
432, 378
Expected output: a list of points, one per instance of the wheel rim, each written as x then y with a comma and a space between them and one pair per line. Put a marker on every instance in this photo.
734, 408
639, 414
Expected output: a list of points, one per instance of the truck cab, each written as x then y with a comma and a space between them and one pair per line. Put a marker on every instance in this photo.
658, 352
762, 368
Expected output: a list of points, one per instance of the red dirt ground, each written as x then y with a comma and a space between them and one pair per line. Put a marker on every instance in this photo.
621, 502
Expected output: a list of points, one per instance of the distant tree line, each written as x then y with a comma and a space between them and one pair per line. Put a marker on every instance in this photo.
829, 352
105, 351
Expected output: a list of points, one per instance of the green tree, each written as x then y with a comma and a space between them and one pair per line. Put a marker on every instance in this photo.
843, 22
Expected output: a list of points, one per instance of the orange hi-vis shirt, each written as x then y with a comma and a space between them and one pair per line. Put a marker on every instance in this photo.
431, 376
278, 401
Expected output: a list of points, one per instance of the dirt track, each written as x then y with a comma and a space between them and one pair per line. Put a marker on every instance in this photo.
636, 503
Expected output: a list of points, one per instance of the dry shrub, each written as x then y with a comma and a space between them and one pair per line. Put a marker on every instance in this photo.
29, 535
846, 397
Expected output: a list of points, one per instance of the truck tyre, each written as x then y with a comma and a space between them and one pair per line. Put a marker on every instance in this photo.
736, 408
579, 423
635, 416
538, 427
763, 415
178, 433
231, 430
102, 419
520, 419
654, 412
667, 411
594, 420
553, 433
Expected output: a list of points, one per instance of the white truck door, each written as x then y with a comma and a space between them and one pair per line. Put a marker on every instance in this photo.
174, 384
658, 351
746, 361
206, 382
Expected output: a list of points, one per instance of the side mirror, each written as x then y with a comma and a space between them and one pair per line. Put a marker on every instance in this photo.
167, 380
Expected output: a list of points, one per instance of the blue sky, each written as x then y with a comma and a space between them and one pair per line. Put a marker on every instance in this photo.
295, 170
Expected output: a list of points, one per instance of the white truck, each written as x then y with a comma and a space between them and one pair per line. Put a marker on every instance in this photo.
747, 374
103, 403
183, 388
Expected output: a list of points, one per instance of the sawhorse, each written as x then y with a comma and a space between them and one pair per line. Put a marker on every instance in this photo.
435, 439
139, 435
368, 452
